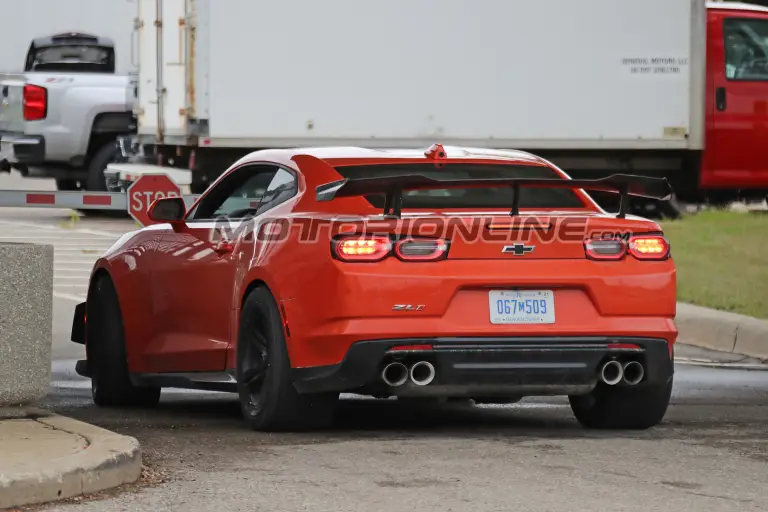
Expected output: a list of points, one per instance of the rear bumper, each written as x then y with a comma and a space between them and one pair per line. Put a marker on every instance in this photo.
488, 367
18, 148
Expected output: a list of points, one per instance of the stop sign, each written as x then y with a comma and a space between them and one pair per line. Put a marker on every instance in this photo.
143, 192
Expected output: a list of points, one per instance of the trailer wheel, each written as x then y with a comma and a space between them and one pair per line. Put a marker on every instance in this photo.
67, 185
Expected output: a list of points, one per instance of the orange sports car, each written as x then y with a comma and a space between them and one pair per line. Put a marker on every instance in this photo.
445, 273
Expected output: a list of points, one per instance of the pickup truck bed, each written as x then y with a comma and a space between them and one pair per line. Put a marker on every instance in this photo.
63, 125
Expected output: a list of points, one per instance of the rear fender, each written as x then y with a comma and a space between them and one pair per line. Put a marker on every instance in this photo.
256, 277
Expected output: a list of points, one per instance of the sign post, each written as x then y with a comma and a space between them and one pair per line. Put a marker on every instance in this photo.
145, 190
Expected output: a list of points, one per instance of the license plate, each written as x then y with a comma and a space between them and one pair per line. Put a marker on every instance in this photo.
522, 306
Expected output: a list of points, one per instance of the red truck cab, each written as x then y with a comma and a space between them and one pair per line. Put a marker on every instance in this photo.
736, 138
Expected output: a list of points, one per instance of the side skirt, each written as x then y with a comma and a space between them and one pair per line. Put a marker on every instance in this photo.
203, 381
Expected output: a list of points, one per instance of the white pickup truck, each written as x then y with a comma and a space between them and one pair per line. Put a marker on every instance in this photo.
62, 116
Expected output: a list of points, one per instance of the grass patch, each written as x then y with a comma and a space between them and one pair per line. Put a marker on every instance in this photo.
722, 260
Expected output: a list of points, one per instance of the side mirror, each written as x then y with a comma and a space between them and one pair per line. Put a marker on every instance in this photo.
167, 209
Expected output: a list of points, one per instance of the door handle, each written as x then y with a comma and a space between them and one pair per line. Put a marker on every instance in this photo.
720, 98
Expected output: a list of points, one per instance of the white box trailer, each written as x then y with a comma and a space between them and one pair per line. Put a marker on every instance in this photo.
595, 86
25, 20
543, 74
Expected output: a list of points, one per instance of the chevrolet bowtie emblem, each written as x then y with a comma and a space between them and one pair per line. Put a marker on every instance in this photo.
517, 249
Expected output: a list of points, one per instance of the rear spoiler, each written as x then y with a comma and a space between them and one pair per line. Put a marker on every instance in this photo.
393, 187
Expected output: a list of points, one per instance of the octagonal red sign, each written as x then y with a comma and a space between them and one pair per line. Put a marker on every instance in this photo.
144, 191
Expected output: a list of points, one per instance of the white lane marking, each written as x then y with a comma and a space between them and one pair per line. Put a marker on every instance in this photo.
39, 238
69, 296
112, 234
74, 252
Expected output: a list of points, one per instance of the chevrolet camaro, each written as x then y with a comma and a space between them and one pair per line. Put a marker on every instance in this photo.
447, 273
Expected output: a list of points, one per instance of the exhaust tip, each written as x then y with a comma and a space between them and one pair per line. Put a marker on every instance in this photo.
612, 373
422, 373
633, 373
395, 374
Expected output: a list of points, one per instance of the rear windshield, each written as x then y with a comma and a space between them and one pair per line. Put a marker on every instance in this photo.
495, 197
73, 58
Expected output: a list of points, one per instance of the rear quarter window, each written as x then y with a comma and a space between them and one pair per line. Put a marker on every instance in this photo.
463, 198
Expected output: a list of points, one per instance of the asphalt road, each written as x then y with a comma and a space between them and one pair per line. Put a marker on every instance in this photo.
710, 454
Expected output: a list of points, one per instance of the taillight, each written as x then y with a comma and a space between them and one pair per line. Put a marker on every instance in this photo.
35, 102
605, 249
649, 247
370, 248
362, 248
421, 249
641, 247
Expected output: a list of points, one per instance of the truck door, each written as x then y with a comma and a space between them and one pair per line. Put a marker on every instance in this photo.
163, 47
736, 154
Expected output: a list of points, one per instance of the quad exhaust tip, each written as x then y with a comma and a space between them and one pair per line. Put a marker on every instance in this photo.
422, 373
395, 374
612, 373
633, 373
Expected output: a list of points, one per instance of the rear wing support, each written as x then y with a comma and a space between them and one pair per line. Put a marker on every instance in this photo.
393, 202
393, 186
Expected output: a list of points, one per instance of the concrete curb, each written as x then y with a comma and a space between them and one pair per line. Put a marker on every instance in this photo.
109, 460
722, 331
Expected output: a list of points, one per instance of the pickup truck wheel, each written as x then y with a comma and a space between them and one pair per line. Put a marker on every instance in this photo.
111, 385
268, 398
619, 407
107, 154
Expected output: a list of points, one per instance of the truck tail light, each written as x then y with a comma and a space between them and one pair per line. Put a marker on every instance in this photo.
605, 249
366, 248
649, 247
421, 249
35, 102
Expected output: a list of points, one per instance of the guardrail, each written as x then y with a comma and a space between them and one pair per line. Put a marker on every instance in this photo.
76, 200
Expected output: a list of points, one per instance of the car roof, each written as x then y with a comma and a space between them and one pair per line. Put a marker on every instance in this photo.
341, 153
736, 6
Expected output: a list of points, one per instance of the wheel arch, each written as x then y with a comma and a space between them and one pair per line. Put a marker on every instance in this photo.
131, 298
253, 285
105, 127
98, 274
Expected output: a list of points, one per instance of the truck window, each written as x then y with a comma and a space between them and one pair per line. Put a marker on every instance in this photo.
746, 49
462, 198
72, 58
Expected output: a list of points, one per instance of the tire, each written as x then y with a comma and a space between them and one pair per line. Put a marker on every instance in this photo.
103, 157
612, 407
268, 398
96, 181
110, 382
66, 185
